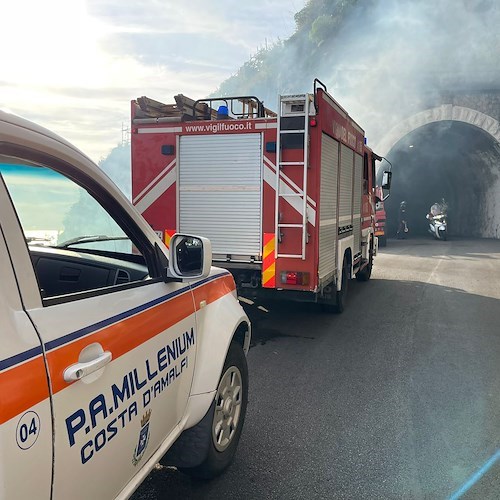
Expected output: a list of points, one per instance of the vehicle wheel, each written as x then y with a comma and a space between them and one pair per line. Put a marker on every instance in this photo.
366, 272
382, 241
229, 409
342, 293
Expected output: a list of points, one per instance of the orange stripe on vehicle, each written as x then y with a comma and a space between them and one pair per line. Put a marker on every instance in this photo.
168, 236
218, 289
23, 386
269, 261
121, 337
130, 333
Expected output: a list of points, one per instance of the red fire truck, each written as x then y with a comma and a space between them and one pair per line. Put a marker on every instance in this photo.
287, 199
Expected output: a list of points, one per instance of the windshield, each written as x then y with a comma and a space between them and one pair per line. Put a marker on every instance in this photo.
55, 211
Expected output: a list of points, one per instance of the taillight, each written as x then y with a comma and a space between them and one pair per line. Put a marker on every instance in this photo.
294, 278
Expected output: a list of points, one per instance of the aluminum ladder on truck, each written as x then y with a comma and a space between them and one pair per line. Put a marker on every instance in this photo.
292, 106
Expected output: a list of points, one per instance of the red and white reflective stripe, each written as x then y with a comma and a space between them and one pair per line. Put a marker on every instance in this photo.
156, 187
266, 125
159, 130
287, 186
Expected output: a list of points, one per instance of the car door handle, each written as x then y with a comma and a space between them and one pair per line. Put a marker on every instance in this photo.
80, 370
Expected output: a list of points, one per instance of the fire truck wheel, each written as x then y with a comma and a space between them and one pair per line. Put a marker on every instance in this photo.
342, 293
366, 272
227, 417
382, 241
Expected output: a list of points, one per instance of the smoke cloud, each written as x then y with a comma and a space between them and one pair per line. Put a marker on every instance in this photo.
393, 59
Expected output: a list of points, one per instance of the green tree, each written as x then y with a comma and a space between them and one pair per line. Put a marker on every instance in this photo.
322, 28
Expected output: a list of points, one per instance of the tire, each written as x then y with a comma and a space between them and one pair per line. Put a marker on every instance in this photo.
366, 272
382, 241
227, 417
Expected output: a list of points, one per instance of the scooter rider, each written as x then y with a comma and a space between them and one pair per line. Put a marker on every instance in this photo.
435, 210
402, 225
438, 224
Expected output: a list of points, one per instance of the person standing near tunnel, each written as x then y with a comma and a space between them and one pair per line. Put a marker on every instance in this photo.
402, 223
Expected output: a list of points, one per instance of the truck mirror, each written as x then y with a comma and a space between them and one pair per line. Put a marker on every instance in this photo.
190, 256
386, 179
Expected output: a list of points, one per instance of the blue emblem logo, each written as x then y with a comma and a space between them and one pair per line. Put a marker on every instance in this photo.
143, 438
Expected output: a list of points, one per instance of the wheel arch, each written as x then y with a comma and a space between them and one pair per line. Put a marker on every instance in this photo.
218, 325
242, 336
345, 246
348, 256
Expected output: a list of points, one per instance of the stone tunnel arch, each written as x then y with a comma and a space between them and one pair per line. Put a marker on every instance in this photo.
446, 112
489, 224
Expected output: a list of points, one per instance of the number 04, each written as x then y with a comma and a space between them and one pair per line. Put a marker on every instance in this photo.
28, 429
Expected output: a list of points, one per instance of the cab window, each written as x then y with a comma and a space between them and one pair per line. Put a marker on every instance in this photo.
75, 245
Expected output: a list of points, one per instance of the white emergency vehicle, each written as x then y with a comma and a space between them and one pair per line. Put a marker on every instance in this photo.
114, 350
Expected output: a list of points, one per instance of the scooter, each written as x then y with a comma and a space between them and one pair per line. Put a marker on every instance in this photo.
438, 226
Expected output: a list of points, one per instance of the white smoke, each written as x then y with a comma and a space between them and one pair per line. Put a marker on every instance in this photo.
394, 57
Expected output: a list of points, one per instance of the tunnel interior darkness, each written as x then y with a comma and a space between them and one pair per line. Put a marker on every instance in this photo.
451, 160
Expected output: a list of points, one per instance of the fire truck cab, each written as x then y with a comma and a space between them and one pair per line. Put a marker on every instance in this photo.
287, 199
380, 218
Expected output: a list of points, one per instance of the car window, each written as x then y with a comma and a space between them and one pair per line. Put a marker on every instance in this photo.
75, 244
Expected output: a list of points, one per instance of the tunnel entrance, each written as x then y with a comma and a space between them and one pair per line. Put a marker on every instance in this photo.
452, 160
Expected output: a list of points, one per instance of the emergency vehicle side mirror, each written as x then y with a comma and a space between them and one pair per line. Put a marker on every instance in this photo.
386, 179
190, 257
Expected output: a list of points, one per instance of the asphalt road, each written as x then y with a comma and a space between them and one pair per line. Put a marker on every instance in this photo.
398, 397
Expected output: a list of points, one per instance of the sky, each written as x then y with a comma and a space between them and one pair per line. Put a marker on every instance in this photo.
73, 66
